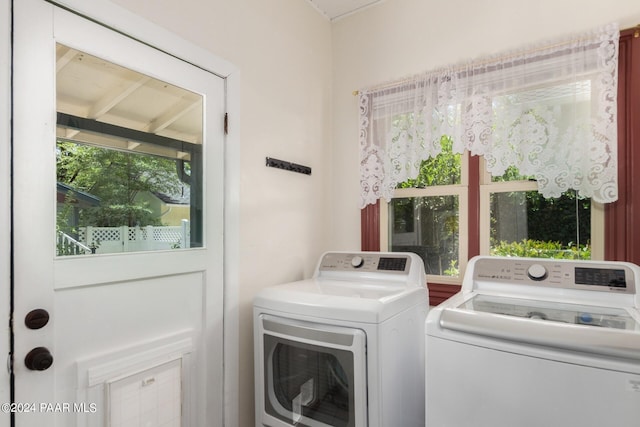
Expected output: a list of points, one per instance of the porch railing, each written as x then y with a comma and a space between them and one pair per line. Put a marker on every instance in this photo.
67, 245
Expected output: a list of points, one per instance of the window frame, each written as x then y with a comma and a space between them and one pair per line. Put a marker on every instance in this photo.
481, 181
622, 229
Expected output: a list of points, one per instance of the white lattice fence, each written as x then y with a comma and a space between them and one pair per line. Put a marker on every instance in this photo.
167, 234
131, 239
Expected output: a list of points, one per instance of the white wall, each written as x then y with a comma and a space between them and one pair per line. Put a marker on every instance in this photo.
397, 38
282, 49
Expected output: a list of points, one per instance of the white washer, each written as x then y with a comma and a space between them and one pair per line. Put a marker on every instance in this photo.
533, 342
346, 347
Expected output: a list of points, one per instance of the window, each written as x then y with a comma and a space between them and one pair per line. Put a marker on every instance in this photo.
516, 220
115, 200
428, 216
128, 159
547, 138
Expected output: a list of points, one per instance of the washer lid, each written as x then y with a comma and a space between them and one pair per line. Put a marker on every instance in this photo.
553, 311
341, 300
608, 331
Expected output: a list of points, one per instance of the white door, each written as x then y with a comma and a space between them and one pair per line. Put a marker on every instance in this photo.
132, 289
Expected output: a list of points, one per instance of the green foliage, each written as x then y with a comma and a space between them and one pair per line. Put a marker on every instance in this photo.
565, 219
453, 270
443, 169
541, 249
116, 177
511, 174
557, 217
112, 215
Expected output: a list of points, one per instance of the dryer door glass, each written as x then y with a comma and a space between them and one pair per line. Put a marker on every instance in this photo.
309, 384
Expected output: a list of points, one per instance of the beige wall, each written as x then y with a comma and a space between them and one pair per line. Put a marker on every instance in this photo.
282, 49
397, 38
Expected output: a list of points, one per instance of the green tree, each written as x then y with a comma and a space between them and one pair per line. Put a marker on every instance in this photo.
556, 227
116, 177
443, 169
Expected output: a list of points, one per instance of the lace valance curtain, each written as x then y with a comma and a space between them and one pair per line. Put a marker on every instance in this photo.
548, 110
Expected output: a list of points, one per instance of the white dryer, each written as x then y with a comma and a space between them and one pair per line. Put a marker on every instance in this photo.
346, 347
534, 342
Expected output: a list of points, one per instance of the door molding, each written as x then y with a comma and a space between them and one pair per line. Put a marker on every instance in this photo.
5, 201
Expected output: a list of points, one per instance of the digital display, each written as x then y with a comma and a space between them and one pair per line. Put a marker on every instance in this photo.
392, 264
610, 277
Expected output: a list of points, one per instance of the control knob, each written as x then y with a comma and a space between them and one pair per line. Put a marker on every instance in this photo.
357, 261
537, 272
38, 359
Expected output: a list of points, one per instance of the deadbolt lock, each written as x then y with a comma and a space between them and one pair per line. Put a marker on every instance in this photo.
36, 319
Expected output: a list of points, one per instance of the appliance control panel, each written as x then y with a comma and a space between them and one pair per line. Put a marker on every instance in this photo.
374, 268
609, 276
370, 262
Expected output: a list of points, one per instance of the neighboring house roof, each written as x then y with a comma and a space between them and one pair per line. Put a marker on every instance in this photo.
78, 197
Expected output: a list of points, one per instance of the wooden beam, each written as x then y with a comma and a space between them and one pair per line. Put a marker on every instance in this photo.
174, 113
114, 97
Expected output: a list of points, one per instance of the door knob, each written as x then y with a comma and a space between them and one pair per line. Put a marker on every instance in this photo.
36, 319
38, 359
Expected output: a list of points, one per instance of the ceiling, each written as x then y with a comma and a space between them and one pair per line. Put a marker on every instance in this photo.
141, 113
335, 9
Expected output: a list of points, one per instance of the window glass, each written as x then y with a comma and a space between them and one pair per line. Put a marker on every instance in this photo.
128, 160
427, 222
523, 223
429, 227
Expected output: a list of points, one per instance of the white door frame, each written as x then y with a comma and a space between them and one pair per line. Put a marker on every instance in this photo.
5, 201
119, 19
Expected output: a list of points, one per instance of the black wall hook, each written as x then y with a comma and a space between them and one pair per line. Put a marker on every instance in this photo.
293, 167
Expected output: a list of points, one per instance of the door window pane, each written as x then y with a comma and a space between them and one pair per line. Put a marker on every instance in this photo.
427, 226
128, 159
523, 223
